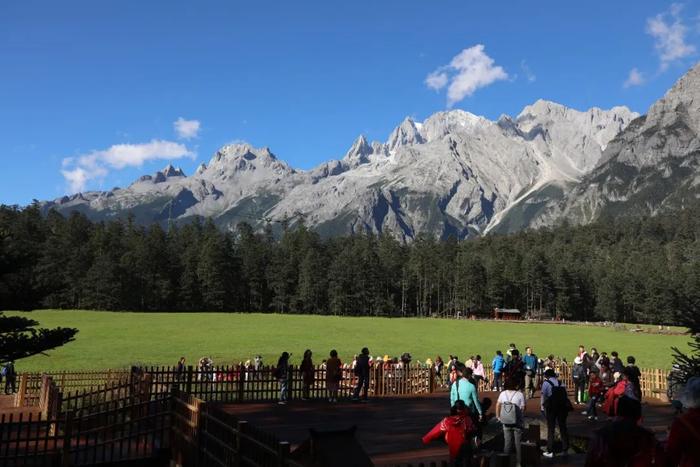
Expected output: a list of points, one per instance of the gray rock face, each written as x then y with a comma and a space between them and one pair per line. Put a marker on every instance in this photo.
453, 174
650, 166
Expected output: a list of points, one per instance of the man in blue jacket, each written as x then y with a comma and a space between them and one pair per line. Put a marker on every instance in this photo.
497, 365
530, 361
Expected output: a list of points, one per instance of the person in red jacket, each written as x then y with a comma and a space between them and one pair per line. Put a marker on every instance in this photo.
623, 387
595, 392
683, 446
457, 431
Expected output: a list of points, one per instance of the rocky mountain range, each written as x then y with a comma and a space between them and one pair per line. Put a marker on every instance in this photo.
453, 174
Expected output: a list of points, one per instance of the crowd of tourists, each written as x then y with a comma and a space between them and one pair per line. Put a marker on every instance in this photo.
603, 386
599, 382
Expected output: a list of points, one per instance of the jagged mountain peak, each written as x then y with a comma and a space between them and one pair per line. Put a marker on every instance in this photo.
170, 171
359, 152
244, 150
407, 133
542, 107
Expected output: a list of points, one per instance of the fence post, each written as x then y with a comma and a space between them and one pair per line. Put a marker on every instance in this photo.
67, 437
282, 453
431, 384
241, 382
19, 398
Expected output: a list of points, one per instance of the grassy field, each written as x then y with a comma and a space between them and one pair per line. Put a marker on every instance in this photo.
115, 340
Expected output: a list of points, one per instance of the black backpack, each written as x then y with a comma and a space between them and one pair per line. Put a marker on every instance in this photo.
558, 401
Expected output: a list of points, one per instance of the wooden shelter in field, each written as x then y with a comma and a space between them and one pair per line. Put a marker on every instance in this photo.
507, 314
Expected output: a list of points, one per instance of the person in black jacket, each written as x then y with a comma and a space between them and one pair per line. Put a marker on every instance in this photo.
10, 378
362, 373
181, 371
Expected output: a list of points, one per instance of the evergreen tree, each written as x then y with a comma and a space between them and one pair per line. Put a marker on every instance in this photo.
19, 338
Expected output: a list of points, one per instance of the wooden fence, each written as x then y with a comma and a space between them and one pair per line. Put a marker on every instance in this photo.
135, 431
202, 435
231, 384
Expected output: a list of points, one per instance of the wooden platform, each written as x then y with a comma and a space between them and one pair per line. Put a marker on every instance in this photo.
390, 429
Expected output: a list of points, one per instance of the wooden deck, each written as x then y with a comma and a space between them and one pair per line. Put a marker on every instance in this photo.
390, 429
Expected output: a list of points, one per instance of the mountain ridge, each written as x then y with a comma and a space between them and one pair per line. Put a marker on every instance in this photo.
455, 173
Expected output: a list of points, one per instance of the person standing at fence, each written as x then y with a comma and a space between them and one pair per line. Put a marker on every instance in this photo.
515, 369
509, 411
530, 362
555, 405
595, 392
181, 369
616, 365
578, 374
10, 378
439, 365
282, 376
635, 373
362, 373
307, 371
478, 371
497, 366
509, 352
334, 374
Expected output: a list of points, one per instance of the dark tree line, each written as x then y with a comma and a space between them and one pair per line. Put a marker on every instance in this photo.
632, 270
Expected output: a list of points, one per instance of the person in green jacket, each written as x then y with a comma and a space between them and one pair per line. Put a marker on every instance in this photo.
464, 390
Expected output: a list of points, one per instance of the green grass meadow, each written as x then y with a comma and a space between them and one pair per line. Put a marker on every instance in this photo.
116, 340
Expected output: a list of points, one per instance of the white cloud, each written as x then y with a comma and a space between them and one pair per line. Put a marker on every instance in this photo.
436, 80
635, 78
78, 171
669, 35
186, 129
529, 75
468, 71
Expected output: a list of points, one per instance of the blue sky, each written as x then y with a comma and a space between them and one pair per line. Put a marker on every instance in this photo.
90, 90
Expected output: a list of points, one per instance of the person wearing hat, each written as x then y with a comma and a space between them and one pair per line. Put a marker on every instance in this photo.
362, 373
683, 446
578, 374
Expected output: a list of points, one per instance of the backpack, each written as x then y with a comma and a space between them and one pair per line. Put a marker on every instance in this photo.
558, 401
3, 372
509, 412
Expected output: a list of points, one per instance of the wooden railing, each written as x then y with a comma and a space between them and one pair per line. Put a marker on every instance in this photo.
135, 431
201, 434
232, 384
